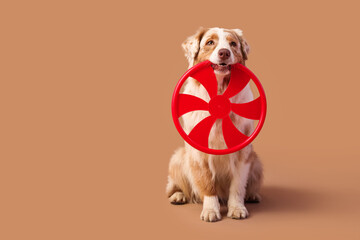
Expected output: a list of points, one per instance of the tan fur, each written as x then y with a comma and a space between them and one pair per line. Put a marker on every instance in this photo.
194, 174
204, 52
237, 52
191, 45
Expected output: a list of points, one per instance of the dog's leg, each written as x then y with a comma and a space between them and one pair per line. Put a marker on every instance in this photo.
204, 181
240, 172
255, 179
175, 194
211, 209
177, 184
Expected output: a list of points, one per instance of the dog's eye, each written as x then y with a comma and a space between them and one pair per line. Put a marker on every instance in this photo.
210, 42
233, 44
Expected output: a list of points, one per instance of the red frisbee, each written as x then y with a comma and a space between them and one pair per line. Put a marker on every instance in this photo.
219, 107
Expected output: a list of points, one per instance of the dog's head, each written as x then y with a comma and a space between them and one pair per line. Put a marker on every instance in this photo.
223, 47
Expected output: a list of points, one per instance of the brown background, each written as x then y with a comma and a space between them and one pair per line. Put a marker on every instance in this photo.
86, 130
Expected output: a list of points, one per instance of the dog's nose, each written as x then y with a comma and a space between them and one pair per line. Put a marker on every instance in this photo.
224, 54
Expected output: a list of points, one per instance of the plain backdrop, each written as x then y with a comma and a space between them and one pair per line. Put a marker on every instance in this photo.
86, 130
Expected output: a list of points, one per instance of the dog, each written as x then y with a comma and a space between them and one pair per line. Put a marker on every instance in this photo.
198, 177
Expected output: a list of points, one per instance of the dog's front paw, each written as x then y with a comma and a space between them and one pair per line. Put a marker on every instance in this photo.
177, 198
210, 215
211, 209
237, 212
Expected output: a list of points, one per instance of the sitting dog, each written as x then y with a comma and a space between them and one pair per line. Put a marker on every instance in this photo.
195, 176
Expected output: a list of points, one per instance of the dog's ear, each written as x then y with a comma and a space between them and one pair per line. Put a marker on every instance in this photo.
191, 45
245, 48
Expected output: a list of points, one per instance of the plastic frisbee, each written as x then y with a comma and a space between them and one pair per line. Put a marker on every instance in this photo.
219, 107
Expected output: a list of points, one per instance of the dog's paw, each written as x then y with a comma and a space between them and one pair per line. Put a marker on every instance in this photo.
253, 198
210, 215
177, 198
237, 212
211, 209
